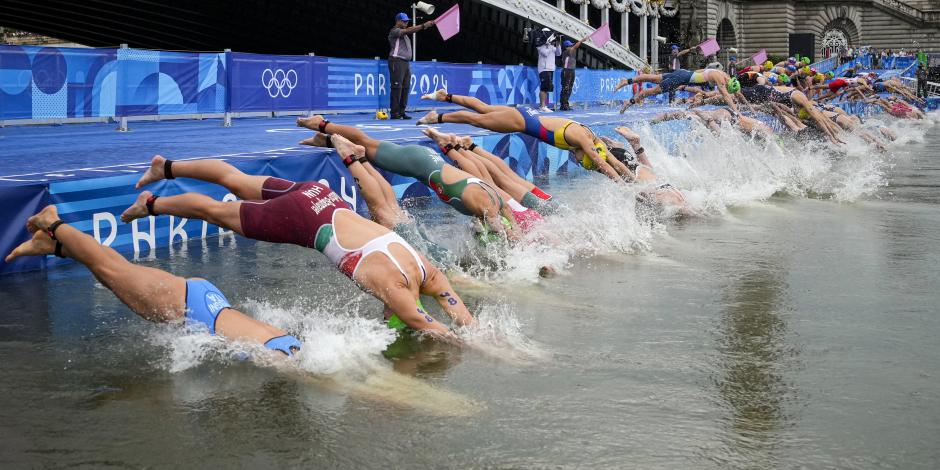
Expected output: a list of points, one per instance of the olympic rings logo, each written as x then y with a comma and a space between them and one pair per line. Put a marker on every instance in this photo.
278, 82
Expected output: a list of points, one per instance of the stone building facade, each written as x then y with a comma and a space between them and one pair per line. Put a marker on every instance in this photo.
750, 25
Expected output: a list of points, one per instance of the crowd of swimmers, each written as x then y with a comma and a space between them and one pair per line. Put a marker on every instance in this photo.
389, 255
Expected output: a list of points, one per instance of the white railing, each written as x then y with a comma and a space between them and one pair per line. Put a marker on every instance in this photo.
550, 16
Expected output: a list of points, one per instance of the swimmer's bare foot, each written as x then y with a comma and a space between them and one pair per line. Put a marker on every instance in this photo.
43, 219
138, 209
312, 122
40, 244
437, 136
626, 104
346, 148
439, 95
628, 134
429, 118
318, 140
622, 83
154, 173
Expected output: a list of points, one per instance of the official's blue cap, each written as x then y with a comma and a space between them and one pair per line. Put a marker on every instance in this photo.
675, 46
402, 17
733, 58
567, 44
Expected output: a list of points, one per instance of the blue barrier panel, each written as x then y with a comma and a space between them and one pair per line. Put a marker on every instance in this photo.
167, 83
270, 83
353, 84
19, 203
57, 82
592, 86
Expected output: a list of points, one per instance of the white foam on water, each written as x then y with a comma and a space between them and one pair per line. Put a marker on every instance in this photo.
499, 334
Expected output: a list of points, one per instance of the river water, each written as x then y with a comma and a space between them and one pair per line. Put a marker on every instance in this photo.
793, 325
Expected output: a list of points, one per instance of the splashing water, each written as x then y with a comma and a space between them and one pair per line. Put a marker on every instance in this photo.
498, 334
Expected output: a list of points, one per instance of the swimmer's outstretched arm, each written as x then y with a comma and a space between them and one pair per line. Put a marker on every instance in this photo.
438, 286
402, 302
670, 116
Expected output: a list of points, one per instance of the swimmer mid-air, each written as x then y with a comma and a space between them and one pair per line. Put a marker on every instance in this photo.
151, 293
464, 192
311, 215
727, 86
562, 133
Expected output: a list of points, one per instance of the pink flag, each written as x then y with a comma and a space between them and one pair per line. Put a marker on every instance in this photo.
709, 47
448, 24
760, 57
601, 36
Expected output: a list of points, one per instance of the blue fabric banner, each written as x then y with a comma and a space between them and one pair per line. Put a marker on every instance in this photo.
57, 83
167, 83
270, 83
19, 203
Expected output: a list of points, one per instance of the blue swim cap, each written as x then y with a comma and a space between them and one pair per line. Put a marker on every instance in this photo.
567, 44
402, 17
733, 58
791, 68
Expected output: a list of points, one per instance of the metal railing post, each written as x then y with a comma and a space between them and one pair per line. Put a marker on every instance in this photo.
227, 117
122, 121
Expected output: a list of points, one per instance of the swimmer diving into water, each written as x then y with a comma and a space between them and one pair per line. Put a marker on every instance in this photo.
151, 293
559, 132
383, 205
311, 215
462, 191
669, 82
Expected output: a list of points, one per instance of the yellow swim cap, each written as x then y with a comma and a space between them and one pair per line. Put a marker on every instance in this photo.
768, 65
820, 77
586, 161
803, 114
381, 115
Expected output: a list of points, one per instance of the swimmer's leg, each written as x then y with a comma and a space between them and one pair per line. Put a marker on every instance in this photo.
320, 124
388, 193
498, 177
468, 102
384, 213
503, 121
153, 294
212, 171
188, 205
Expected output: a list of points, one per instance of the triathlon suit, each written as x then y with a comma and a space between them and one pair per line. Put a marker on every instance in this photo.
672, 81
900, 109
525, 217
757, 93
748, 78
303, 214
534, 128
782, 97
204, 303
426, 166
837, 83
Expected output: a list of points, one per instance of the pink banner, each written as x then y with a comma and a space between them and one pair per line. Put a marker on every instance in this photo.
709, 47
601, 36
760, 57
448, 24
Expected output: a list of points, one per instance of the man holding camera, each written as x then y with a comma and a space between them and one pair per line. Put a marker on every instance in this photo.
399, 70
547, 53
